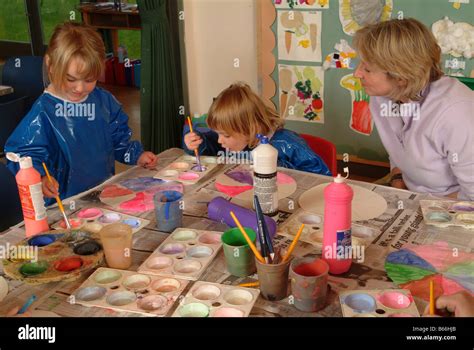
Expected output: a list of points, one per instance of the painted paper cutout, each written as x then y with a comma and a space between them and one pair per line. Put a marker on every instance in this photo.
299, 36
301, 4
302, 93
440, 255
342, 58
361, 118
235, 183
412, 268
142, 202
135, 196
355, 14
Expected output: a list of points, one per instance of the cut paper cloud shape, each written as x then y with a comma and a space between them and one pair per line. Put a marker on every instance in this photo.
413, 267
455, 39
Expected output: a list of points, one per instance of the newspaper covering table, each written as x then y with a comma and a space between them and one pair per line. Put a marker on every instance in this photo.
401, 224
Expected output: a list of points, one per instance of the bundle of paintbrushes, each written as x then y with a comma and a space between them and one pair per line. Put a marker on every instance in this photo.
268, 254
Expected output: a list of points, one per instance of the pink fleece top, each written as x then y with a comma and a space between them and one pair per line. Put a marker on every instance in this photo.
432, 142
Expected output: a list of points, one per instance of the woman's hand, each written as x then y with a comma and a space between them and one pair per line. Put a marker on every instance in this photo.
148, 160
397, 182
50, 188
192, 140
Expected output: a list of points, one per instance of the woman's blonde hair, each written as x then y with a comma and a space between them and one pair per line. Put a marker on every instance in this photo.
406, 50
238, 109
74, 41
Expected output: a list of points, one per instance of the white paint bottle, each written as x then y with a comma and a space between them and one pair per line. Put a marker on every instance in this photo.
265, 158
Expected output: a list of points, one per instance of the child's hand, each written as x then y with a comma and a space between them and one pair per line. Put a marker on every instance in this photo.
192, 140
461, 304
14, 313
50, 190
148, 160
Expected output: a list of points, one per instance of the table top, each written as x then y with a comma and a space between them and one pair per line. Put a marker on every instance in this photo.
399, 225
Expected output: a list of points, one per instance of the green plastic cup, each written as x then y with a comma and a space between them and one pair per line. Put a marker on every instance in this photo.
238, 255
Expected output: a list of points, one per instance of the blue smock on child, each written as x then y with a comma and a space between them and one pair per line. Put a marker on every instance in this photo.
78, 142
293, 151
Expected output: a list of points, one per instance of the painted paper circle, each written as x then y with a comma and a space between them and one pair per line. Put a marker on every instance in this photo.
366, 204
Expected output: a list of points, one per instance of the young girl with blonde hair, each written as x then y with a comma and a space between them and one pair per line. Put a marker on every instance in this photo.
75, 127
236, 117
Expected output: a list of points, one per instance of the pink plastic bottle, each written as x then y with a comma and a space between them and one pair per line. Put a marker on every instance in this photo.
28, 180
337, 242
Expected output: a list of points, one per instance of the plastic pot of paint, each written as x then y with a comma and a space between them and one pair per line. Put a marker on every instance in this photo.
219, 210
309, 283
117, 244
168, 210
273, 280
239, 257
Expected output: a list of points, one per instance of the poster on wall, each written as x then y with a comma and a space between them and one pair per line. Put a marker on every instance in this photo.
301, 4
361, 118
301, 93
299, 36
355, 14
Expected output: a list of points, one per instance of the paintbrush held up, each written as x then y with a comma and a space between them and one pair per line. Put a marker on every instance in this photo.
60, 204
196, 152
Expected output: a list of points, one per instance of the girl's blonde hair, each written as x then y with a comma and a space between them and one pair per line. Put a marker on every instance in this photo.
74, 41
406, 50
240, 110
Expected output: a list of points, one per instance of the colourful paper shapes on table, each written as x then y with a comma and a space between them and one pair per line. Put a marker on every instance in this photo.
112, 191
135, 196
413, 267
238, 183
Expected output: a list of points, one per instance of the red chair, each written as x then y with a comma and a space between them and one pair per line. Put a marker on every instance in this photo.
323, 148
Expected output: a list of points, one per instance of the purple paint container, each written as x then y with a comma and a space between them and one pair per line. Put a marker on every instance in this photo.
219, 210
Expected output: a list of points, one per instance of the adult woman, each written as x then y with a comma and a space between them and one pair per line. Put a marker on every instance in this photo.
424, 118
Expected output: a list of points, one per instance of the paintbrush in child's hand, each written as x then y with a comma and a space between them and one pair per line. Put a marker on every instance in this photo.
60, 204
196, 152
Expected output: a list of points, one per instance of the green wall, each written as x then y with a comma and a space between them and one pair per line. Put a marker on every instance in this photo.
337, 99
